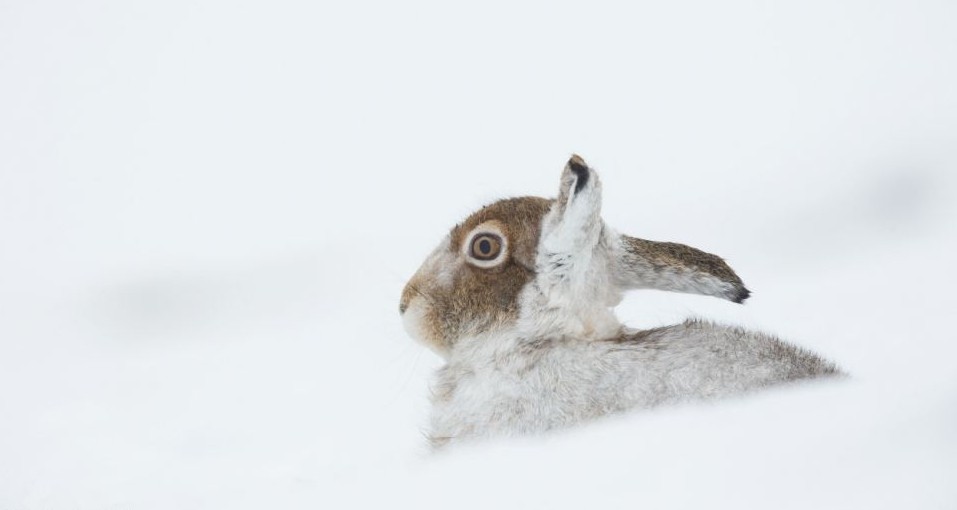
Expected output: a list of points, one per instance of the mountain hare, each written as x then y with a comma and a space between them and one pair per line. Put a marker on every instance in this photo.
518, 300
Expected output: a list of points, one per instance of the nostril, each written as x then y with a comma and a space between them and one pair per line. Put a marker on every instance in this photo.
403, 306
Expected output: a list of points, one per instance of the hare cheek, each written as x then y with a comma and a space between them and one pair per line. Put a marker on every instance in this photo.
418, 325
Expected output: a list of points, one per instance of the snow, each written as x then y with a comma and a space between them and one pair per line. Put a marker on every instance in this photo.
208, 211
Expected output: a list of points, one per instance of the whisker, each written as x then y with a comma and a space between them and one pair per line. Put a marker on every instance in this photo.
423, 294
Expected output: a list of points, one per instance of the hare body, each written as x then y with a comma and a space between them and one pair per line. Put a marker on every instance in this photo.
519, 299
519, 386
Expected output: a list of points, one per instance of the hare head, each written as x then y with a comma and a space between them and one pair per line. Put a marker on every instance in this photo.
532, 267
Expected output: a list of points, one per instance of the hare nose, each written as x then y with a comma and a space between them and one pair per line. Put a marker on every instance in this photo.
404, 301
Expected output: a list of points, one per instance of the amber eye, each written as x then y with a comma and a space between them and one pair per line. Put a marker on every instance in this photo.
486, 247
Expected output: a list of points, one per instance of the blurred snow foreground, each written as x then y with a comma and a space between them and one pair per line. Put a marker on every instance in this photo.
208, 210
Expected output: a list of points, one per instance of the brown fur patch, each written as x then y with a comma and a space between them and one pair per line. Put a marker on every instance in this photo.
522, 221
478, 300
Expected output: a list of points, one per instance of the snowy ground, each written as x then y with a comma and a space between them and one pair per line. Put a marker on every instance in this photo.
208, 210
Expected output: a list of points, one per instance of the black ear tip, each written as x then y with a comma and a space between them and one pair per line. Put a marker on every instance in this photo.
577, 165
742, 294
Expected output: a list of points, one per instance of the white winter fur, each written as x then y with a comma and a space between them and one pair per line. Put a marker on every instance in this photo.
506, 385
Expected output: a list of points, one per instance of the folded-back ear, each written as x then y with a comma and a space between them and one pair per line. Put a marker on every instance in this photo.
642, 264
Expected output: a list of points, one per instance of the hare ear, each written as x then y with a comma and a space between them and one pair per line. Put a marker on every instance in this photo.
641, 264
572, 227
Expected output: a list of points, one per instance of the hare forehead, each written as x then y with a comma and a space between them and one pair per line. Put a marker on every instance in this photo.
520, 218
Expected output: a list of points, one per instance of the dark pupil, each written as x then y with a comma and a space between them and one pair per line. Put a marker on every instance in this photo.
485, 247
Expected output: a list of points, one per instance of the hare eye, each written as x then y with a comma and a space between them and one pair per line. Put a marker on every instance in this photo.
486, 247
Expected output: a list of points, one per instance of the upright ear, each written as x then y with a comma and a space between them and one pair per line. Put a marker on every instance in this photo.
641, 264
573, 226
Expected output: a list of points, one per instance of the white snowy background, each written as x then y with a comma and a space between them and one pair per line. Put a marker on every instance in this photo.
208, 210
